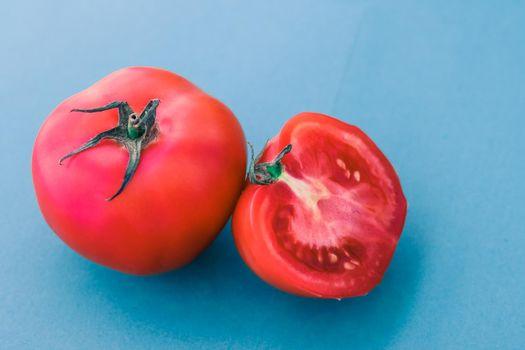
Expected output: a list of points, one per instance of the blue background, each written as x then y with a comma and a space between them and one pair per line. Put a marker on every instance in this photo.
439, 85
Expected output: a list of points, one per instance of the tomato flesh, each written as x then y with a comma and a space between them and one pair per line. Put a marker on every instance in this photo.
331, 222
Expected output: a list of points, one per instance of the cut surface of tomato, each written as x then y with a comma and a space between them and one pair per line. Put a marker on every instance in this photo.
329, 222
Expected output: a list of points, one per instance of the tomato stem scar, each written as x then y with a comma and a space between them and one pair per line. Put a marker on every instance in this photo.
268, 172
134, 131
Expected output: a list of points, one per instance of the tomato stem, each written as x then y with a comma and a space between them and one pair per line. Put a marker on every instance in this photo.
133, 131
268, 172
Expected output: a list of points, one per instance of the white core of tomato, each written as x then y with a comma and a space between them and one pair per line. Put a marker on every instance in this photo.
309, 193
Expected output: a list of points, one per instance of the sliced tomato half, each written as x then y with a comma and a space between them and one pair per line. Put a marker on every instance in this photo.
323, 212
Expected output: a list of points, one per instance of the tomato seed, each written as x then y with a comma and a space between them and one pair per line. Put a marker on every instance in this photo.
348, 266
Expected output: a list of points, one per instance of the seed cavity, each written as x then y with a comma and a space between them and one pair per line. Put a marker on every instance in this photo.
299, 253
333, 259
347, 250
342, 255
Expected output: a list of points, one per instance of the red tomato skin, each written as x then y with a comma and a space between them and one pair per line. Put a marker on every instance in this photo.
257, 244
181, 195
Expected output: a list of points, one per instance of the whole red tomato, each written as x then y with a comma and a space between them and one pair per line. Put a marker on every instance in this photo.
150, 170
323, 210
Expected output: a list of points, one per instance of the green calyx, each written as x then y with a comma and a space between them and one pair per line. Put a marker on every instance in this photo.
269, 172
275, 170
134, 131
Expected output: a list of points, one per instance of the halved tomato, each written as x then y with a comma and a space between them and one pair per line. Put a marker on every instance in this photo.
322, 212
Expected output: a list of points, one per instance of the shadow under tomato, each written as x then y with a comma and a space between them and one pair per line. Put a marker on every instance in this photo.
218, 300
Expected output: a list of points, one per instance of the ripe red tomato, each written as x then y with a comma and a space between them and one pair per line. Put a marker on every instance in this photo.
323, 211
189, 153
